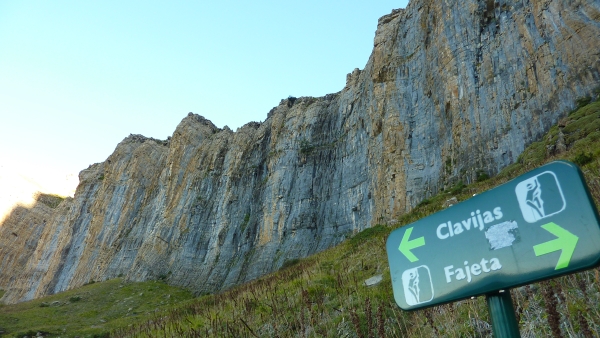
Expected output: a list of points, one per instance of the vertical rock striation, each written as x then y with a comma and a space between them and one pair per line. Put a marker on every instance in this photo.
452, 88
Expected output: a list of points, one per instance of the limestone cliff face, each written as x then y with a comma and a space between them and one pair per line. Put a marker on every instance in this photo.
451, 88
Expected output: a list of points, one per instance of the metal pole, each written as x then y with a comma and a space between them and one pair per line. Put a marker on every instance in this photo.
502, 313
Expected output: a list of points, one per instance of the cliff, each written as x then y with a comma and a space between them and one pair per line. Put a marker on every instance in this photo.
452, 89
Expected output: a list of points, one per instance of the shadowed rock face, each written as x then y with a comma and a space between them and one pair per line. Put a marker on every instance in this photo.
451, 88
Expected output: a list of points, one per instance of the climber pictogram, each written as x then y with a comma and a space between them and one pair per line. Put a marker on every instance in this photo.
540, 197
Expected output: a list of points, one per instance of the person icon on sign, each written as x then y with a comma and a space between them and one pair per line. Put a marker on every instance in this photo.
534, 198
417, 284
540, 197
413, 284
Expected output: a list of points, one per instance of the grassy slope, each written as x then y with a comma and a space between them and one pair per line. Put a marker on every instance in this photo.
325, 295
92, 310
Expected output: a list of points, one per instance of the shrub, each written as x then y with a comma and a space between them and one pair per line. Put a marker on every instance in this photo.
290, 262
424, 202
306, 147
482, 176
163, 277
291, 101
369, 233
245, 222
50, 200
583, 101
582, 158
101, 335
30, 333
457, 189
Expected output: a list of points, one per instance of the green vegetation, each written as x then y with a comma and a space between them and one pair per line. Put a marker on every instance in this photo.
583, 101
481, 175
581, 133
325, 295
291, 100
90, 311
74, 299
306, 147
290, 262
245, 223
50, 200
199, 200
583, 158
457, 188
164, 276
424, 202
373, 232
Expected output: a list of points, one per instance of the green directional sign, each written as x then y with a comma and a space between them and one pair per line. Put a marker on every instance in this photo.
540, 225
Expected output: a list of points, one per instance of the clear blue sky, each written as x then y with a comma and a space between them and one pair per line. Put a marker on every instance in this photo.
76, 77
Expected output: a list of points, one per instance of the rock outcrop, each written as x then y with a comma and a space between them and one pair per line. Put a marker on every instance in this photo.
452, 88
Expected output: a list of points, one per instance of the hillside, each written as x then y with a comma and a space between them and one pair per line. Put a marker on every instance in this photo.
89, 310
326, 295
452, 91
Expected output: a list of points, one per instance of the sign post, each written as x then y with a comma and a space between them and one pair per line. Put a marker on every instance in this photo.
502, 313
540, 225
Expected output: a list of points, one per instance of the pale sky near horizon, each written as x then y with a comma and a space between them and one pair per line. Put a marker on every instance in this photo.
76, 77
